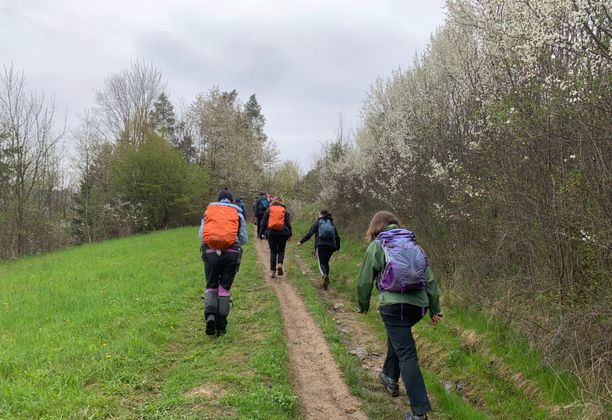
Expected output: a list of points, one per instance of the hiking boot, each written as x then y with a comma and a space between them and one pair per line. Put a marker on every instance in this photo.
221, 333
409, 416
390, 384
279, 269
210, 325
325, 282
272, 273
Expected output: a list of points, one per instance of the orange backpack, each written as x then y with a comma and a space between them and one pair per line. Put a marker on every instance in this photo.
276, 221
220, 226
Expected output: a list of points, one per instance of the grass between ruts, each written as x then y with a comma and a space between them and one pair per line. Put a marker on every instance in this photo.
500, 375
115, 330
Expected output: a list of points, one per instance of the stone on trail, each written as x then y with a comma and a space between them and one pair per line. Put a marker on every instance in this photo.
338, 306
360, 352
448, 386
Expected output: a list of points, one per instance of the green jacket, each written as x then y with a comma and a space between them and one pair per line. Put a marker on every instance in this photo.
373, 264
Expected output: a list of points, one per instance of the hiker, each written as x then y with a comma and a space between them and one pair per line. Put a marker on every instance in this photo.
222, 234
276, 227
259, 209
240, 203
407, 289
327, 241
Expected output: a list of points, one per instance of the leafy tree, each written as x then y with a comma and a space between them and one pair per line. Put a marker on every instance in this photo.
163, 118
156, 179
227, 142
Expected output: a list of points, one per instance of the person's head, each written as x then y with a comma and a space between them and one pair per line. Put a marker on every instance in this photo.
379, 222
238, 200
225, 194
324, 213
276, 200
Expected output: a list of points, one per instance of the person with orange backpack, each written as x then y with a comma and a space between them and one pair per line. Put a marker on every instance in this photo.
276, 227
222, 234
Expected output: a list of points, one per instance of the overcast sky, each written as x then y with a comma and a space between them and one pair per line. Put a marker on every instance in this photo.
307, 61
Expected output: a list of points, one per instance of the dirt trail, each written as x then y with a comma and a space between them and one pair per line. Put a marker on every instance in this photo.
358, 338
318, 380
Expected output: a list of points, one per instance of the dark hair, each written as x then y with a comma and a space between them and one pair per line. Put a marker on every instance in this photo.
225, 194
325, 214
379, 222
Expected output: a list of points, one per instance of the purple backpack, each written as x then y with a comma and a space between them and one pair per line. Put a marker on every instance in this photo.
406, 263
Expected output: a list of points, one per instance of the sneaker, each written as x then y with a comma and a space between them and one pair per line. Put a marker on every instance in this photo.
279, 268
325, 282
210, 325
409, 416
221, 333
272, 273
390, 384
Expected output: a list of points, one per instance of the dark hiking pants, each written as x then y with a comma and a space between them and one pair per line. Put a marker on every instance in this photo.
402, 355
259, 229
277, 245
220, 271
324, 253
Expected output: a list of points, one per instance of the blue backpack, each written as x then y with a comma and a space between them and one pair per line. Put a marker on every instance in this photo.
264, 202
406, 263
326, 230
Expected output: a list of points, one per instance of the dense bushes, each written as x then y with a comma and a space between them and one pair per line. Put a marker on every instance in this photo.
495, 147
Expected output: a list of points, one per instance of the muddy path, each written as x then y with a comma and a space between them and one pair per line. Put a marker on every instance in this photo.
317, 379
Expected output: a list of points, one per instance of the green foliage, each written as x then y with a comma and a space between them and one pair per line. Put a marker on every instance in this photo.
286, 180
156, 178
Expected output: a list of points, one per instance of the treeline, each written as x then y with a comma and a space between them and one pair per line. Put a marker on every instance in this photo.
132, 165
495, 146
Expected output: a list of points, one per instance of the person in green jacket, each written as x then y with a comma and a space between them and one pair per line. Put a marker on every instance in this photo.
399, 312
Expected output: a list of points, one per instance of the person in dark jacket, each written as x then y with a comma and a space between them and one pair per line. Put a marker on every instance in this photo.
327, 241
259, 209
240, 203
276, 227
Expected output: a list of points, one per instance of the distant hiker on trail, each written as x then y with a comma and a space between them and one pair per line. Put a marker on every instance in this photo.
407, 289
222, 233
240, 203
259, 209
327, 241
276, 227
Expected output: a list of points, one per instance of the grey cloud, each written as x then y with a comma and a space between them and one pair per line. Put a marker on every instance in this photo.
307, 61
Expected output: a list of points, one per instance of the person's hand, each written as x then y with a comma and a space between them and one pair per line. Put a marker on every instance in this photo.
436, 318
298, 244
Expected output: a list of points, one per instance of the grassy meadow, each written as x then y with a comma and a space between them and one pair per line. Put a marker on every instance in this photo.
115, 330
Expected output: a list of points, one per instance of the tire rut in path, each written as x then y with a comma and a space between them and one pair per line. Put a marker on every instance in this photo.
314, 372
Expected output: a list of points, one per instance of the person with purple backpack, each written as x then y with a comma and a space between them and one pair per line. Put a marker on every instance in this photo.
407, 290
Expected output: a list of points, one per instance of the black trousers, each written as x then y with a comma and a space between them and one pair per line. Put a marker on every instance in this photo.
324, 253
277, 245
220, 271
259, 229
402, 355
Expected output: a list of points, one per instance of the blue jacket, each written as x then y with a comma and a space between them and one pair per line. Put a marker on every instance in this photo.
241, 237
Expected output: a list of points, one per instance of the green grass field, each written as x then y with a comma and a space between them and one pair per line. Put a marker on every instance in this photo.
115, 330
